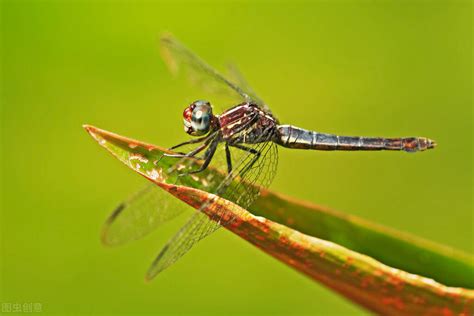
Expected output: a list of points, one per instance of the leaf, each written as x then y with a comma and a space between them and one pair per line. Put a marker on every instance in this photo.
347, 254
394, 248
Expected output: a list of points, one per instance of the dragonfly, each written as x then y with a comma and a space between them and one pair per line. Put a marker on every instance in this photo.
242, 142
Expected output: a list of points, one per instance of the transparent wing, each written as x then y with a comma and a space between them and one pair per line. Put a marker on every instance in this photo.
147, 209
181, 59
236, 76
250, 173
140, 214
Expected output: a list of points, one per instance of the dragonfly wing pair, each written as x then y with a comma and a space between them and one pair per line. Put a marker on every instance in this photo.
180, 59
149, 208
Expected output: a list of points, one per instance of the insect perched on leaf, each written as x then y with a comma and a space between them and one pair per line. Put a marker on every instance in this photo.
241, 143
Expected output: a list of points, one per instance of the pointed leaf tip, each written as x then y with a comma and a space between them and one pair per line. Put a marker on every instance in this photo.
301, 243
89, 128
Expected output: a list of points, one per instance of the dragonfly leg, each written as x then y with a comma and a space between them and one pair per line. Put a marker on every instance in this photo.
191, 154
207, 156
228, 158
192, 141
256, 154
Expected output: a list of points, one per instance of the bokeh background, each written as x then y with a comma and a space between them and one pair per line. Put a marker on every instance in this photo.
389, 68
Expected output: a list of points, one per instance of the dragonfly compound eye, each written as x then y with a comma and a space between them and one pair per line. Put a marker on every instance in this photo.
197, 118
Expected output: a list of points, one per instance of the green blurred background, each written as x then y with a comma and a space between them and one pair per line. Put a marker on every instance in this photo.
357, 68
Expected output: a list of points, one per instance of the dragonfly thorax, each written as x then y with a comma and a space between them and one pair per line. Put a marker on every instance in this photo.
198, 118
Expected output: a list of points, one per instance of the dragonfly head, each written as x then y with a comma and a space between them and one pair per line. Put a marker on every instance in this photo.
198, 118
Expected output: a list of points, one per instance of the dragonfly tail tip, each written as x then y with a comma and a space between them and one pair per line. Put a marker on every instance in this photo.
432, 143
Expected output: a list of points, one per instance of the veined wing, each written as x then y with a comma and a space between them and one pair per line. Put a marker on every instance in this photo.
147, 209
242, 186
179, 58
140, 214
235, 75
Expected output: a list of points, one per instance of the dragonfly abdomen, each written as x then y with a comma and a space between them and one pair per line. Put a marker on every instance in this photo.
295, 137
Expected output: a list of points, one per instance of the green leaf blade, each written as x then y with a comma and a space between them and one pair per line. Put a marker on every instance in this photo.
291, 231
